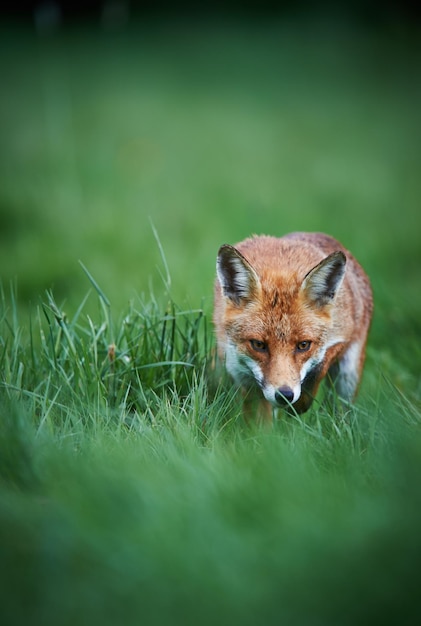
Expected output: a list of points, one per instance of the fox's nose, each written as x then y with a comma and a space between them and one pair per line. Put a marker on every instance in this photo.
283, 395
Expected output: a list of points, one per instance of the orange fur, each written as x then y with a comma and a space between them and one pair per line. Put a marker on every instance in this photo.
288, 311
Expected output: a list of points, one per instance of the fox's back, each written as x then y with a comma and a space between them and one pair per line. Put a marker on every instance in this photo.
295, 253
283, 262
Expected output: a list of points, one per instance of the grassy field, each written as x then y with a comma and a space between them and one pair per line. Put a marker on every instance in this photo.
131, 491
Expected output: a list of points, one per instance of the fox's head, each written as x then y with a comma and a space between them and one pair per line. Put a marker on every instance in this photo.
277, 325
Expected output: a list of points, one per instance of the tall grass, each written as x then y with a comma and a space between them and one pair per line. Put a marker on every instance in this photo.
122, 368
132, 492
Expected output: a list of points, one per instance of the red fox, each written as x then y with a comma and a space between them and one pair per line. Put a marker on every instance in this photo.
288, 311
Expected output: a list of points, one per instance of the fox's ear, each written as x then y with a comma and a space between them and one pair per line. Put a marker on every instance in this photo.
323, 281
237, 277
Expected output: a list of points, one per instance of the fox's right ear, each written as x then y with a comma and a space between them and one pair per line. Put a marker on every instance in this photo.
237, 277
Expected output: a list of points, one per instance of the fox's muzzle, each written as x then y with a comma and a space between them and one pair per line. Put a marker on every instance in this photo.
284, 395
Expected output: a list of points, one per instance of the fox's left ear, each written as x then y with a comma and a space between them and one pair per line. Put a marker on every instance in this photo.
238, 279
323, 281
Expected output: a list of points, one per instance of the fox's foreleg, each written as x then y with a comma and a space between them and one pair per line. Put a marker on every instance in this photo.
350, 369
345, 374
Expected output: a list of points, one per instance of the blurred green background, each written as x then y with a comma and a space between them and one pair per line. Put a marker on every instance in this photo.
210, 127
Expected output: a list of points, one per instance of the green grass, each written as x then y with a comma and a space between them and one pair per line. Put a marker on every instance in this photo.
130, 487
131, 490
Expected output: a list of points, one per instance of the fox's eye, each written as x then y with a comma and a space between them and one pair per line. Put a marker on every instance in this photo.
303, 346
259, 346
